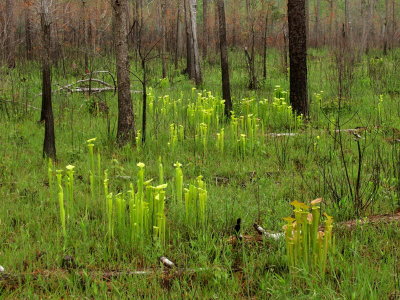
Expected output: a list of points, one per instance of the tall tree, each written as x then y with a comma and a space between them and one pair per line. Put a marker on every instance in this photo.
189, 40
85, 37
10, 32
28, 29
178, 36
317, 23
191, 14
298, 56
385, 28
49, 144
205, 28
265, 39
126, 124
226, 88
164, 37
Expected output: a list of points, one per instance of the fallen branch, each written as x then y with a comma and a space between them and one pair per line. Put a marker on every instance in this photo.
372, 220
352, 224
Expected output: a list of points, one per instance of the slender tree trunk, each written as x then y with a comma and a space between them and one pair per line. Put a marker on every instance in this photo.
331, 12
265, 39
85, 37
205, 28
371, 29
385, 28
226, 87
10, 34
28, 30
178, 37
49, 143
235, 22
285, 50
197, 69
317, 24
126, 125
364, 17
189, 41
393, 24
164, 37
144, 98
298, 56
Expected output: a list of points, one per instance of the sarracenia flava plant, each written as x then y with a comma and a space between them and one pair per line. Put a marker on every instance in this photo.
138, 215
307, 246
61, 204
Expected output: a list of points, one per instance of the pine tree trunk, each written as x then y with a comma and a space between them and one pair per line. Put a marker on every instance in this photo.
49, 145
189, 41
10, 32
298, 56
28, 31
265, 46
126, 125
177, 37
164, 37
317, 24
205, 27
385, 28
85, 37
197, 69
226, 88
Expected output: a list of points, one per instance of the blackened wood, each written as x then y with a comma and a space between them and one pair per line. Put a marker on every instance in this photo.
298, 56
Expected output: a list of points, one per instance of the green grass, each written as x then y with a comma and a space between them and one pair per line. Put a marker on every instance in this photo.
255, 182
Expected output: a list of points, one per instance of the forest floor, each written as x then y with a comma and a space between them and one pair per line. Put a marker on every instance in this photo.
252, 168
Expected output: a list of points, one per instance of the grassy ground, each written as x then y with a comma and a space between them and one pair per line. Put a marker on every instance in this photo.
254, 177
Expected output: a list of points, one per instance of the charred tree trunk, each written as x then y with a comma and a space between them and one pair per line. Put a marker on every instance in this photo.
164, 37
126, 125
265, 38
317, 24
226, 88
385, 28
196, 56
178, 37
144, 98
393, 33
189, 42
49, 144
298, 56
10, 32
85, 37
285, 50
250, 55
205, 28
28, 30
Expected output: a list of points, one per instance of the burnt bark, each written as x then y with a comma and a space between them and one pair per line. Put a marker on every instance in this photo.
317, 24
205, 27
385, 28
10, 32
126, 125
298, 56
49, 144
192, 5
189, 42
28, 30
226, 88
265, 38
164, 37
85, 37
